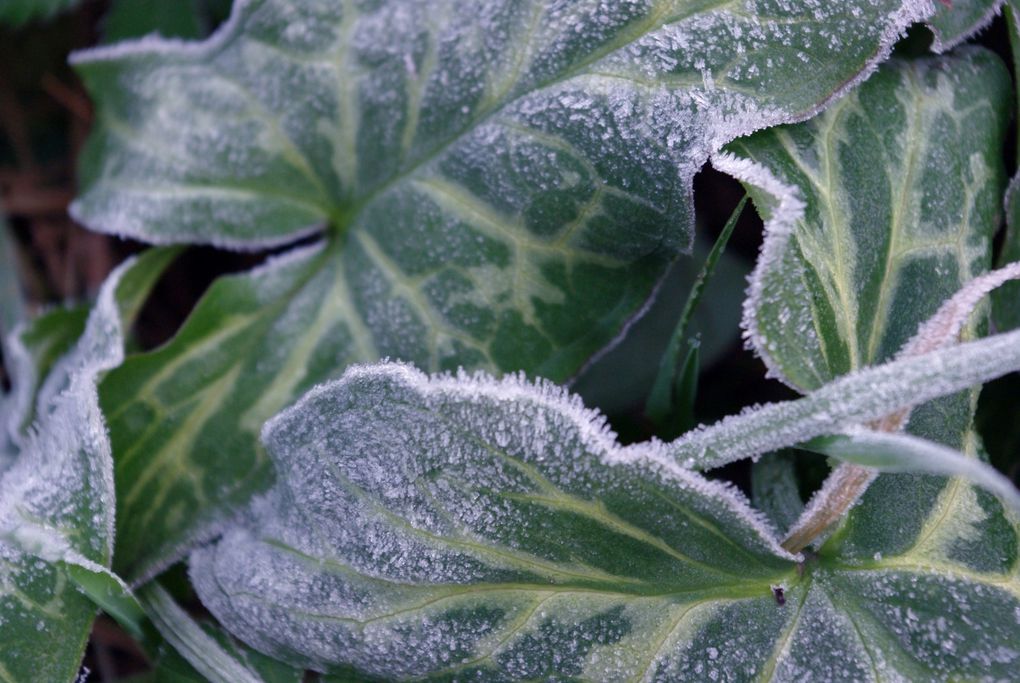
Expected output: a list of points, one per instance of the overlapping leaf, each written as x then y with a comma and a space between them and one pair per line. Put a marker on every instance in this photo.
56, 496
502, 185
900, 193
459, 527
901, 183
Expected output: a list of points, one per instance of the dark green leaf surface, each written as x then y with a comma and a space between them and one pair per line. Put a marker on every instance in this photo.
56, 496
901, 184
135, 18
457, 528
502, 185
12, 298
620, 379
875, 253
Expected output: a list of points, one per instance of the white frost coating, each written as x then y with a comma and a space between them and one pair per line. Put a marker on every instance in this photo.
783, 217
726, 99
944, 328
57, 498
595, 432
419, 523
857, 398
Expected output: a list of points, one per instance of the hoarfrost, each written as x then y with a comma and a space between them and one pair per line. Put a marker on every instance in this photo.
496, 168
56, 498
416, 520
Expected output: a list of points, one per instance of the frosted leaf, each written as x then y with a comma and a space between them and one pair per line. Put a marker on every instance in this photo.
879, 210
945, 327
502, 186
894, 196
885, 452
205, 654
56, 495
469, 526
461, 528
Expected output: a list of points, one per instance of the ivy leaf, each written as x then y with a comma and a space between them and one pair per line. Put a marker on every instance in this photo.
900, 183
56, 496
500, 185
925, 551
463, 527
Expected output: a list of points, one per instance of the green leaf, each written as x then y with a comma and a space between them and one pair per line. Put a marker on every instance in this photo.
957, 20
171, 667
56, 511
109, 593
900, 184
18, 12
501, 185
774, 488
880, 209
457, 528
920, 560
31, 351
468, 525
670, 381
860, 397
619, 380
135, 18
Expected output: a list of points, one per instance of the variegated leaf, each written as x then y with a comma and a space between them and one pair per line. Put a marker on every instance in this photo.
501, 184
56, 496
459, 528
899, 184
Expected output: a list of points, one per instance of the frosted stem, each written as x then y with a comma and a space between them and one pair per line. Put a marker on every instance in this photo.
844, 486
847, 483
